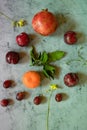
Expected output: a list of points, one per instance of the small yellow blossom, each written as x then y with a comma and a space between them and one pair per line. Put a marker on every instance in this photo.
19, 23
53, 87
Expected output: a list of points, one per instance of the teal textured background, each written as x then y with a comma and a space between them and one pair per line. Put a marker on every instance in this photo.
71, 113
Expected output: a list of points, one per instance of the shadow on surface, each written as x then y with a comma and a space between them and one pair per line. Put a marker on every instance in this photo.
24, 58
65, 23
65, 96
81, 38
82, 78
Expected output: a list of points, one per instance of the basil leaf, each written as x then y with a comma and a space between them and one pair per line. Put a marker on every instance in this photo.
56, 55
49, 71
46, 73
33, 56
44, 57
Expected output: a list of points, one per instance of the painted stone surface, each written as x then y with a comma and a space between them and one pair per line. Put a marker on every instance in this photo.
71, 113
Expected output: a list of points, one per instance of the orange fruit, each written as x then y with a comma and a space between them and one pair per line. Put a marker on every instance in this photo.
31, 79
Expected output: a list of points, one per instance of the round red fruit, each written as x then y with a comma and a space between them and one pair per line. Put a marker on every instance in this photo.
4, 102
12, 57
58, 97
37, 100
44, 22
22, 39
71, 79
20, 96
70, 37
7, 83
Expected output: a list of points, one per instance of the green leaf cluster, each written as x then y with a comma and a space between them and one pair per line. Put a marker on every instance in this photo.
44, 59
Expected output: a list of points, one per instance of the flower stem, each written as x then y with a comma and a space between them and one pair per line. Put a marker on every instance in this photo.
6, 16
48, 111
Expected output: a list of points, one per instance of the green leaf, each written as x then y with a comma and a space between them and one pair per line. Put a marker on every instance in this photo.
46, 73
49, 71
33, 56
44, 57
56, 55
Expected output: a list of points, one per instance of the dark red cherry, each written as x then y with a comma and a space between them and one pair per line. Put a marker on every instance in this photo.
22, 39
12, 57
4, 102
70, 37
7, 83
58, 97
20, 96
37, 100
71, 79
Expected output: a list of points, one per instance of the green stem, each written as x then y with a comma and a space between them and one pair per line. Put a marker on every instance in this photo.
72, 60
6, 16
48, 111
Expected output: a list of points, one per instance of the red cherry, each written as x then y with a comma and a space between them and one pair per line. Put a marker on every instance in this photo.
12, 57
70, 37
71, 79
22, 39
4, 102
58, 97
7, 83
20, 96
37, 100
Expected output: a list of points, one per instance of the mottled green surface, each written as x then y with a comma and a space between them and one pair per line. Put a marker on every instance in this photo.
71, 113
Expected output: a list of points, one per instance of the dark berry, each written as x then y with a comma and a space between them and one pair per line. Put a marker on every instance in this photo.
58, 97
22, 39
12, 57
71, 79
7, 83
37, 100
70, 37
4, 102
20, 96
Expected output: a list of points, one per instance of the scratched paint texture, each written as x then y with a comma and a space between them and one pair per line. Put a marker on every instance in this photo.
71, 113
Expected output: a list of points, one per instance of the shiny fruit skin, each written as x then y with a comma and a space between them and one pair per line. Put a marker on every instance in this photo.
70, 37
44, 23
20, 96
58, 97
71, 79
37, 100
22, 39
12, 57
7, 84
4, 102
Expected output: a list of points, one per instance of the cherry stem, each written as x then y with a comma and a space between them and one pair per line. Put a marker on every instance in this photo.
6, 16
48, 112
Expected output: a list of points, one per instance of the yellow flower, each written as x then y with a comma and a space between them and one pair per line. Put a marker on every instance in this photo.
53, 87
19, 23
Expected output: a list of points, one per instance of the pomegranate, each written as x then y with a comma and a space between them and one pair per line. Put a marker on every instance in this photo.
44, 22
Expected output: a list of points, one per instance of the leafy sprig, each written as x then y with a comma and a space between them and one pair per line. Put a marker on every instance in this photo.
45, 59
